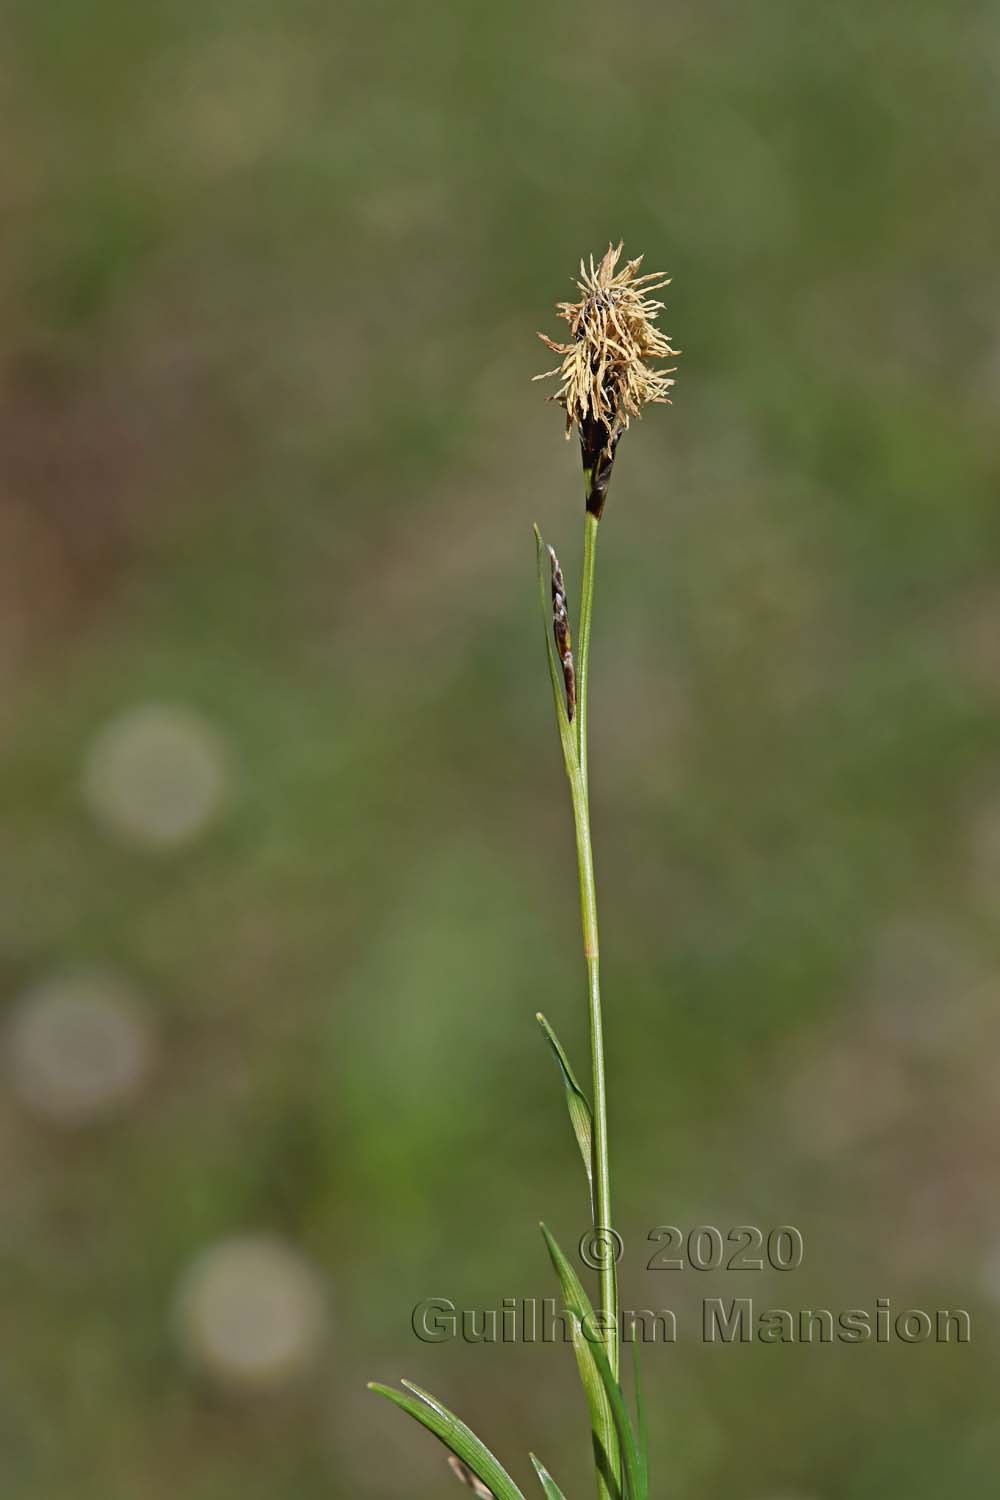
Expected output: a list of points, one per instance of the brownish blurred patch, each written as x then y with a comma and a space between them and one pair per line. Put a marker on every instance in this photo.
87, 452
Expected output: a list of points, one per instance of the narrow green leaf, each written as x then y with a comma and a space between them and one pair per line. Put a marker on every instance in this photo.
642, 1433
455, 1435
580, 1114
552, 1490
567, 735
635, 1485
578, 1303
606, 1449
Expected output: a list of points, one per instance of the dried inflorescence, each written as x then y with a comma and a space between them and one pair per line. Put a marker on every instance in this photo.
605, 376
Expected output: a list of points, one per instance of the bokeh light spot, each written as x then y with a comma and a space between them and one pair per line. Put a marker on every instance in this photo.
251, 1313
157, 776
78, 1047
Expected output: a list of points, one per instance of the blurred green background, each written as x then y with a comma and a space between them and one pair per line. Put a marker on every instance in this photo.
286, 863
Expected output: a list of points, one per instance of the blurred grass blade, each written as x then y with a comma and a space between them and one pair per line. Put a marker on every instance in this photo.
580, 1114
552, 1490
455, 1435
578, 1302
642, 1433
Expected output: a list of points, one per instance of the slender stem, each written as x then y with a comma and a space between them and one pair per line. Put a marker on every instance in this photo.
591, 951
573, 738
586, 610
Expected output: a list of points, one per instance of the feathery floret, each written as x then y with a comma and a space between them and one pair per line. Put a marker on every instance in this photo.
605, 376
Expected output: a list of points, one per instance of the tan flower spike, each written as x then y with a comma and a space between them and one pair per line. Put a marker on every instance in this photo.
605, 377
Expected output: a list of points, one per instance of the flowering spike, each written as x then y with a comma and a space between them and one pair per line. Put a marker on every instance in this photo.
605, 378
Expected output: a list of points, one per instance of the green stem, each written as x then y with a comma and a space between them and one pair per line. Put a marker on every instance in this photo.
579, 788
573, 738
586, 610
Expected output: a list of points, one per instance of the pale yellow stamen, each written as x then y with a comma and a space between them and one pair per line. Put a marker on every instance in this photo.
604, 375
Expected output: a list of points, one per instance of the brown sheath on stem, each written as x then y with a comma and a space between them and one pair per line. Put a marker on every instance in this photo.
560, 630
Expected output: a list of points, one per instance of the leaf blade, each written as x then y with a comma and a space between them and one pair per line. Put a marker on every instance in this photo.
581, 1116
454, 1434
642, 1432
606, 1448
578, 1302
552, 1490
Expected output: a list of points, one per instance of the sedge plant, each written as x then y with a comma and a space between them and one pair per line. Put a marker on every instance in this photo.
606, 378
